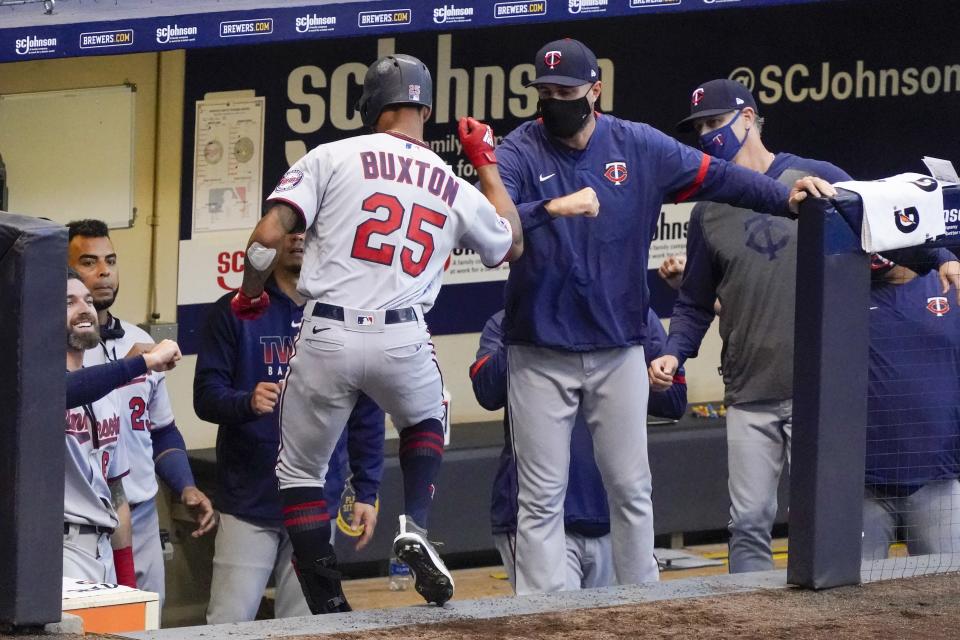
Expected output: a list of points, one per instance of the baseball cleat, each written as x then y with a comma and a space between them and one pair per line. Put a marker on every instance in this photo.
431, 577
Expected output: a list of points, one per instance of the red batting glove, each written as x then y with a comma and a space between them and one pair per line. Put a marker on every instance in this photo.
247, 308
123, 562
478, 142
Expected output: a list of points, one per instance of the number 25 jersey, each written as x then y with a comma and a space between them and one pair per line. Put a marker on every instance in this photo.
382, 214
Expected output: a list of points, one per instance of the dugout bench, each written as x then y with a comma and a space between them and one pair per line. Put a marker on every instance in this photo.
688, 460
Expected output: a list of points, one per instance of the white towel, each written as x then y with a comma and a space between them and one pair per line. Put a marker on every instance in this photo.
903, 211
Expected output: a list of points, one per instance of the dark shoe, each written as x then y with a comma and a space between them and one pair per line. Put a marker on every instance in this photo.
432, 579
321, 586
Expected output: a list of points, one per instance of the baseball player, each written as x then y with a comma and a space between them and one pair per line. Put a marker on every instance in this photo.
746, 260
381, 212
575, 314
240, 369
913, 430
154, 444
586, 517
96, 514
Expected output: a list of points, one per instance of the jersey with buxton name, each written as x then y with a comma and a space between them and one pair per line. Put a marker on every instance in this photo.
382, 214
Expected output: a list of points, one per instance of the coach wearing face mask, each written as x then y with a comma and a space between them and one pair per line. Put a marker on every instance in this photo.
576, 302
748, 260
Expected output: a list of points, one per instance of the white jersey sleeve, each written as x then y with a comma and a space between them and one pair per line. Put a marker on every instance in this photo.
161, 412
301, 186
488, 234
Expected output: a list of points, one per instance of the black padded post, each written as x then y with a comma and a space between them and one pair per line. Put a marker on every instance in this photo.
32, 402
829, 397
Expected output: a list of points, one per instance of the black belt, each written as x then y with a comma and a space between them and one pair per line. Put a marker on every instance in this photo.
393, 316
86, 528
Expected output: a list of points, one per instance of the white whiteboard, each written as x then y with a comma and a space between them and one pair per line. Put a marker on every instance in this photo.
69, 154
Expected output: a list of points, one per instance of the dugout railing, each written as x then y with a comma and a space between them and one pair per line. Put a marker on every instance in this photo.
831, 392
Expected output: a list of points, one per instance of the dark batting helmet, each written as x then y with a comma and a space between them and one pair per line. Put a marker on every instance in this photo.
396, 79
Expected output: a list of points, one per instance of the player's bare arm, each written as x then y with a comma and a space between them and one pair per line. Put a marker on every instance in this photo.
123, 535
579, 203
263, 251
479, 144
264, 247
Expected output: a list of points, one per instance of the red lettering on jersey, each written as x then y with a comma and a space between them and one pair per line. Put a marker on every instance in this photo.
278, 348
105, 463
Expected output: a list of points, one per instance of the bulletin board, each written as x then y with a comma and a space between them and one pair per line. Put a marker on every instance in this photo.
69, 154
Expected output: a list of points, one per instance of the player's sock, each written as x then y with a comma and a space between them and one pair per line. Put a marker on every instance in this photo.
307, 522
421, 450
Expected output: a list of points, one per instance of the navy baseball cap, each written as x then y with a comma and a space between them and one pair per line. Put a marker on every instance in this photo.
567, 62
714, 98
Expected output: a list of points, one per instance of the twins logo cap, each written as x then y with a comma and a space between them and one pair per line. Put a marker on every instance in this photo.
714, 98
567, 62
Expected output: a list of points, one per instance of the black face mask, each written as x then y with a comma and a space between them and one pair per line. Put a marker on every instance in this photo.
564, 118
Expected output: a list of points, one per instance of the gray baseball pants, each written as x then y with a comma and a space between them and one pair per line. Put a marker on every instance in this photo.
546, 389
929, 520
88, 556
245, 557
758, 446
589, 560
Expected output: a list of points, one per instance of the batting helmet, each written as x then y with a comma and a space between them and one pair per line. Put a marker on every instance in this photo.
396, 79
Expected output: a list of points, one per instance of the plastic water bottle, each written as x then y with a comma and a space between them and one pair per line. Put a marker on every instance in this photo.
399, 575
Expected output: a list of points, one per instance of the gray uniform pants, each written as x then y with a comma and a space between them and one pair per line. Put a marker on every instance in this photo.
929, 520
758, 445
589, 560
147, 549
394, 364
88, 556
546, 389
246, 555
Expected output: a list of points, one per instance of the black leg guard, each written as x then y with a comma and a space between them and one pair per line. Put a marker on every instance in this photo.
321, 586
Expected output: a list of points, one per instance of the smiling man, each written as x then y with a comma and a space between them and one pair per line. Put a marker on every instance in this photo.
154, 444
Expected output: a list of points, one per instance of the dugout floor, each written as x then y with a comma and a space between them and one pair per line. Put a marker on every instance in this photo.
491, 582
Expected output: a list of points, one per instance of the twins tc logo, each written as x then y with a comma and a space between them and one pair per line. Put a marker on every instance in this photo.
938, 306
767, 235
552, 59
697, 96
906, 219
615, 172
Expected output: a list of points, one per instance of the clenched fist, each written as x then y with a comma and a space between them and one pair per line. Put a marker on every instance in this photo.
578, 203
478, 142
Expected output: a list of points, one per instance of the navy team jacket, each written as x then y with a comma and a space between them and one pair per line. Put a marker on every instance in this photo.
913, 419
585, 507
234, 356
575, 286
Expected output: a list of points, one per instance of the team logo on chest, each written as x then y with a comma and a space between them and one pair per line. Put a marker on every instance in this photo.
938, 306
766, 235
615, 172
